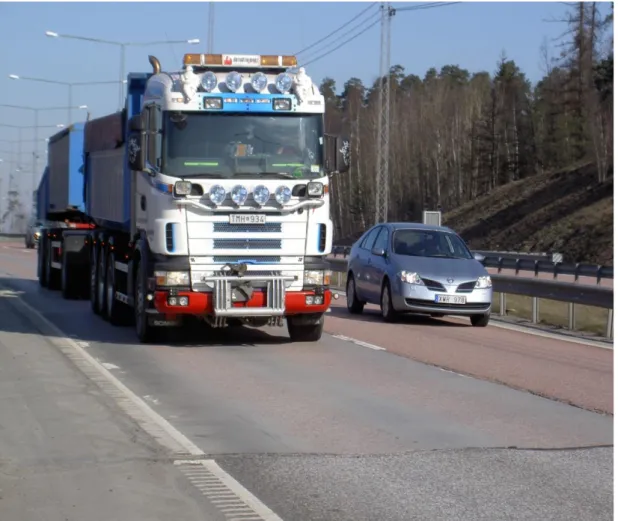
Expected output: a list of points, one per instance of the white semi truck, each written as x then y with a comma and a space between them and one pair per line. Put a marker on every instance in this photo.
206, 198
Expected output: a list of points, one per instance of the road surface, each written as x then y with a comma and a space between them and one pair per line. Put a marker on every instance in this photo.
335, 431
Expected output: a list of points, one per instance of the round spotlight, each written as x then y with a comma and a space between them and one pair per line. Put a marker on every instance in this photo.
217, 194
283, 83
233, 81
209, 81
239, 194
283, 194
259, 81
261, 195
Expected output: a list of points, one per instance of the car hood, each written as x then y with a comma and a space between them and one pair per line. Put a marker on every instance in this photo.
461, 270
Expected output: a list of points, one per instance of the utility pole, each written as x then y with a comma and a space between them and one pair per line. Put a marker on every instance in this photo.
384, 102
211, 27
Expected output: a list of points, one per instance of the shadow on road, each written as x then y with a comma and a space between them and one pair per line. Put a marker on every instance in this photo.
76, 320
373, 315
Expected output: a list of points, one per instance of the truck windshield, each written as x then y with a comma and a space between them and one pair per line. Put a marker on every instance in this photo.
242, 145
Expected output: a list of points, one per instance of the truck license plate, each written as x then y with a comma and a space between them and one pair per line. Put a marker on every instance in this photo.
240, 218
450, 299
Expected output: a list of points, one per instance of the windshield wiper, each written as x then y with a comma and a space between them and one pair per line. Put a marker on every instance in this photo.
263, 175
206, 175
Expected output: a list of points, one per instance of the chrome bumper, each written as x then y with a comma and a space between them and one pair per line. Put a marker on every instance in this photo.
223, 291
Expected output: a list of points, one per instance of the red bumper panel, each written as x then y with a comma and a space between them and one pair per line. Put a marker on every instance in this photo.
202, 303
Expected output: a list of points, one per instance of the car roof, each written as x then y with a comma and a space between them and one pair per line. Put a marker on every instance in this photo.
393, 226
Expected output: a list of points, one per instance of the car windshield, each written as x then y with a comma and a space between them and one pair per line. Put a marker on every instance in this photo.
242, 145
429, 243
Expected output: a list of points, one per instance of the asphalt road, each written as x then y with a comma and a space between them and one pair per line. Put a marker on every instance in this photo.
333, 431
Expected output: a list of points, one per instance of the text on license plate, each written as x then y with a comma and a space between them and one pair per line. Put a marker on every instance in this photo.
450, 299
237, 218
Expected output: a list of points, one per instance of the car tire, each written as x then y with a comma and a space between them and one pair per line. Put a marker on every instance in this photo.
480, 320
355, 306
386, 303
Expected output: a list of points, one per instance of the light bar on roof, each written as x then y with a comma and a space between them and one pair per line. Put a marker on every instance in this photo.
240, 60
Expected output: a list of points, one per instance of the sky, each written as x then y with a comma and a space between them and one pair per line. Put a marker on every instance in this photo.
469, 34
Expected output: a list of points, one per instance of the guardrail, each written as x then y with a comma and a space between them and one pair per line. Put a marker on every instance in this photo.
537, 263
13, 235
537, 289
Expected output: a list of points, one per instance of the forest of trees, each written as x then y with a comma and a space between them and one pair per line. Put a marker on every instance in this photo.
455, 135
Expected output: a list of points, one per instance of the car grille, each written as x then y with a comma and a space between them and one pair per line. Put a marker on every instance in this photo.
433, 285
466, 287
474, 306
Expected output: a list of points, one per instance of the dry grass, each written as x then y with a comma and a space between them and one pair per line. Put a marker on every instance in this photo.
587, 318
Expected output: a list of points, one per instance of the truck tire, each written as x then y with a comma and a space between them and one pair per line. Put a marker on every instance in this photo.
117, 312
94, 275
101, 284
52, 274
145, 332
67, 284
305, 332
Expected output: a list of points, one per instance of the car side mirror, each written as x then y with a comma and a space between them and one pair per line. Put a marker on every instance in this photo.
337, 154
380, 252
479, 257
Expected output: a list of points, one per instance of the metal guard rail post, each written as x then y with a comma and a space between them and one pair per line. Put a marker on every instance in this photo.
562, 291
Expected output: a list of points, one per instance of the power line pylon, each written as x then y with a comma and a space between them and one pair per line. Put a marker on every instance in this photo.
384, 102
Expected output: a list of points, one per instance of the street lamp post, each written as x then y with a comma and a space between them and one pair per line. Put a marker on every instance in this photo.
69, 84
123, 46
36, 111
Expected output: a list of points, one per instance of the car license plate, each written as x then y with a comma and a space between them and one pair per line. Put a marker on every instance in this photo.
450, 299
240, 218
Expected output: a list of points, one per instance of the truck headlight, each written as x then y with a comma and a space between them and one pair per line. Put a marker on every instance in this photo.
317, 277
483, 282
183, 187
315, 189
410, 278
172, 278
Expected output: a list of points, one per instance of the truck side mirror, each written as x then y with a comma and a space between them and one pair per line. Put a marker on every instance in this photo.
337, 154
137, 144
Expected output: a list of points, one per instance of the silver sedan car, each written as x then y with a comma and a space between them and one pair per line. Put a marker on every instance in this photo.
417, 268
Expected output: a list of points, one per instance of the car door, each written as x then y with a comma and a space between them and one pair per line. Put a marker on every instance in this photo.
377, 265
361, 274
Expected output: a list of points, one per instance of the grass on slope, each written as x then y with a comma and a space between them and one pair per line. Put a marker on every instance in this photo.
566, 212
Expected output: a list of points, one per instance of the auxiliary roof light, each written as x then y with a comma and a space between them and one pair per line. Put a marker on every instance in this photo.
233, 81
217, 194
284, 83
261, 195
209, 81
283, 195
259, 81
239, 194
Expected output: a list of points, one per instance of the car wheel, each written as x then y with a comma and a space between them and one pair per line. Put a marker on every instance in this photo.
386, 303
480, 320
355, 306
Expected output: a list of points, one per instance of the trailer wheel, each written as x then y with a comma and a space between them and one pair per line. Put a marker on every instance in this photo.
101, 276
94, 263
117, 312
53, 281
67, 285
42, 270
145, 332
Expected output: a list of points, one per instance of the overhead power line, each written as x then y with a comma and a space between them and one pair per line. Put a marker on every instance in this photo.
343, 43
338, 29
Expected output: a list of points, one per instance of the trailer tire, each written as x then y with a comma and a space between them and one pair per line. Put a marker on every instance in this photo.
53, 281
42, 270
67, 285
94, 264
117, 312
145, 332
101, 283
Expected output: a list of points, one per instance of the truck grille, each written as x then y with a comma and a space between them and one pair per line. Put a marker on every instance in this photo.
247, 244
256, 259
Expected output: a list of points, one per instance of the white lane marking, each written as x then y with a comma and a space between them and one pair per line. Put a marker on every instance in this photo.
156, 426
359, 342
496, 322
454, 372
109, 366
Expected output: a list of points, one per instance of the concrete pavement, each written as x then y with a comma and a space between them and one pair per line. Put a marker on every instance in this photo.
334, 431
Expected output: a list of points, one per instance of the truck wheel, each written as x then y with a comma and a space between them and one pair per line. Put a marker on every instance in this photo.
145, 332
101, 294
94, 263
117, 312
305, 332
42, 263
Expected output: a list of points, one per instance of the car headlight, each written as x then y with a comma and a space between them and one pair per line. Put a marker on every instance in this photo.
37, 235
483, 282
410, 278
317, 277
172, 278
